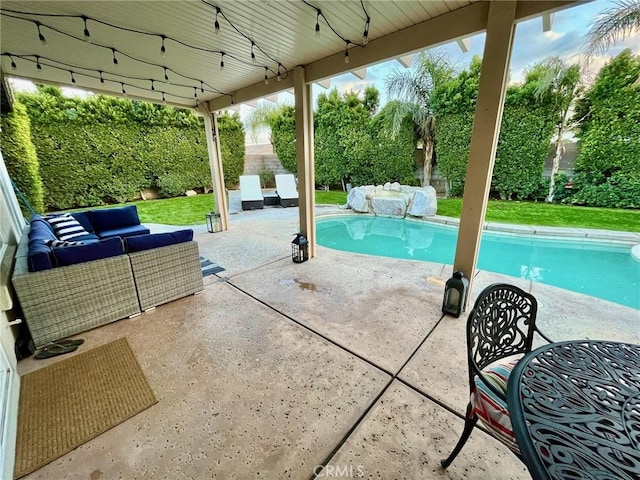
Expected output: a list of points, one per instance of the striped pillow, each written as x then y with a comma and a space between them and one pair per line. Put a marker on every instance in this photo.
65, 226
61, 243
491, 409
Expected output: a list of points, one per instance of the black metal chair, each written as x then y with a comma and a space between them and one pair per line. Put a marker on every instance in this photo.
500, 330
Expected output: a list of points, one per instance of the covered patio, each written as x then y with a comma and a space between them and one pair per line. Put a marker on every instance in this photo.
341, 366
278, 368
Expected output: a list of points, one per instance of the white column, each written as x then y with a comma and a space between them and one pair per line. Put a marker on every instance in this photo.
215, 162
304, 155
484, 139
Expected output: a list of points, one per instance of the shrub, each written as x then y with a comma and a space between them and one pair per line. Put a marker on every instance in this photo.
20, 157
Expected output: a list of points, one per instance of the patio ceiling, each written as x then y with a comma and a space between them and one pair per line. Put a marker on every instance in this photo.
283, 33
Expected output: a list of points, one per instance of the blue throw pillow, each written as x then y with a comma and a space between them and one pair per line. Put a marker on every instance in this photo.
112, 218
156, 240
84, 219
65, 256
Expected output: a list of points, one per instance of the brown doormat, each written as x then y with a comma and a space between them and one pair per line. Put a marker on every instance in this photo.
72, 401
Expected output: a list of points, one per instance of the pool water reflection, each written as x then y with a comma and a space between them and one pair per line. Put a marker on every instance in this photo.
606, 271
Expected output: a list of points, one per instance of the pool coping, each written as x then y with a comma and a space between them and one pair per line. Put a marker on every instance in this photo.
618, 237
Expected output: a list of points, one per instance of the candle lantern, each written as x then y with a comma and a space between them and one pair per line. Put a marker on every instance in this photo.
214, 223
300, 248
455, 294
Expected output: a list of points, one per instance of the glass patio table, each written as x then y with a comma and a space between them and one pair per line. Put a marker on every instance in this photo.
575, 410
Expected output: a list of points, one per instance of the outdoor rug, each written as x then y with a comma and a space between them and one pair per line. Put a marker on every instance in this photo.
208, 267
72, 401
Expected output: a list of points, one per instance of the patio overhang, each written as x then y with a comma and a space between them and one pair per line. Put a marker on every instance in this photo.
208, 72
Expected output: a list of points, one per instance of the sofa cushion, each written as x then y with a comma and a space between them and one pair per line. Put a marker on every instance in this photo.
88, 238
65, 256
39, 224
114, 218
39, 254
156, 240
65, 226
125, 232
84, 219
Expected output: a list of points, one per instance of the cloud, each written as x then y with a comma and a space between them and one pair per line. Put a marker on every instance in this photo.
553, 36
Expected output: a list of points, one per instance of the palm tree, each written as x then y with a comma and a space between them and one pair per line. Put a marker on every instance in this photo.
562, 84
612, 25
413, 90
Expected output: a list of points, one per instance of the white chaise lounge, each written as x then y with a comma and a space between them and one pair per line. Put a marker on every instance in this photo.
250, 192
287, 190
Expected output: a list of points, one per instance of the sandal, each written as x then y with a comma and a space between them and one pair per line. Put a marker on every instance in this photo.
54, 350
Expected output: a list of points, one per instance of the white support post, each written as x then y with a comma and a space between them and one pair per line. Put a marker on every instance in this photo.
304, 155
484, 139
215, 162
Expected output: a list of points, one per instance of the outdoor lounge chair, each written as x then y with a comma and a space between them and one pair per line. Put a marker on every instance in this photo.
287, 190
250, 192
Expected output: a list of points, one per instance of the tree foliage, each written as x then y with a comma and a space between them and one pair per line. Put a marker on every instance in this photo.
414, 90
104, 149
20, 157
608, 164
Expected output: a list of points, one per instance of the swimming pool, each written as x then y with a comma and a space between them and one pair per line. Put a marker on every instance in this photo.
606, 271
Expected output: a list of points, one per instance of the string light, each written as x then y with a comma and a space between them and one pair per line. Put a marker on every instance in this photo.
320, 15
43, 40
13, 63
153, 87
86, 33
115, 59
38, 66
365, 35
253, 54
279, 76
195, 92
221, 60
164, 99
166, 75
367, 24
101, 77
73, 79
201, 86
124, 92
163, 50
219, 12
216, 24
346, 51
266, 78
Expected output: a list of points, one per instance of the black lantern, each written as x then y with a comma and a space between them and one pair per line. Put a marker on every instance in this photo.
300, 248
214, 223
455, 294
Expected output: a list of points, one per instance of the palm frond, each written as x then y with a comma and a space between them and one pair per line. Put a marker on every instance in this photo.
612, 25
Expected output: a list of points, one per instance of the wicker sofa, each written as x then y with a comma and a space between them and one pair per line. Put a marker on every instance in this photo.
137, 273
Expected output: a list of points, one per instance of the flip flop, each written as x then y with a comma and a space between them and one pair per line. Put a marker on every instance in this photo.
65, 343
54, 350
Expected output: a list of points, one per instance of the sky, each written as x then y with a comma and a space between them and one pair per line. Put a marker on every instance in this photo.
565, 40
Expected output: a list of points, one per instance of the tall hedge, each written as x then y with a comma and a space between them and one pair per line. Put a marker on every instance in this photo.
283, 136
104, 150
607, 169
20, 157
231, 147
523, 144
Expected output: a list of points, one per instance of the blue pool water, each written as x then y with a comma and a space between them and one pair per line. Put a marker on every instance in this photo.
597, 269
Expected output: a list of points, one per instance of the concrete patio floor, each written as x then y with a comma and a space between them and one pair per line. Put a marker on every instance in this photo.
277, 368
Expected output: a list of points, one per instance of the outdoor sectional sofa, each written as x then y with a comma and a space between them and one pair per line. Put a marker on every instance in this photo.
118, 271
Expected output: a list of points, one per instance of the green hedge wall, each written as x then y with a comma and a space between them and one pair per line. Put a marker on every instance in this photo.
105, 150
20, 157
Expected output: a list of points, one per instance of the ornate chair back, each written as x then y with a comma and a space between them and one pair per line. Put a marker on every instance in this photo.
501, 324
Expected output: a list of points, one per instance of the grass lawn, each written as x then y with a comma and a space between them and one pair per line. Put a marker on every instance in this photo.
543, 214
191, 210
